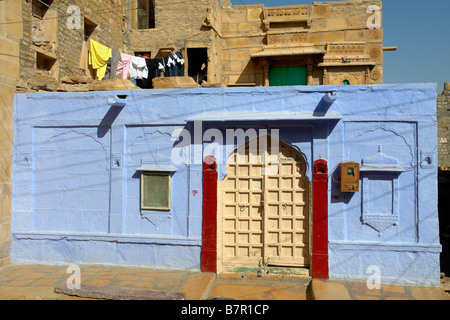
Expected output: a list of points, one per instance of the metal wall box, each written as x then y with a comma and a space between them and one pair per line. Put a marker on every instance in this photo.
349, 177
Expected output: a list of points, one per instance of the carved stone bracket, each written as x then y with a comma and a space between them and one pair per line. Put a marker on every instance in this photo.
380, 222
156, 220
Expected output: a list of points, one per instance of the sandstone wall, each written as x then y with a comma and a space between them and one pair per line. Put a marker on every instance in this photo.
66, 42
10, 36
443, 114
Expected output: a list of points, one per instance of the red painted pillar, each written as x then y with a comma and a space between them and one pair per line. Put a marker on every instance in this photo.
209, 227
320, 220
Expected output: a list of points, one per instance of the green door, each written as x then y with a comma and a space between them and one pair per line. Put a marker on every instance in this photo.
288, 76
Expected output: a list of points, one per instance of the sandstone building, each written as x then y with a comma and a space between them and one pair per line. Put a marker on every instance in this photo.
86, 164
223, 45
251, 45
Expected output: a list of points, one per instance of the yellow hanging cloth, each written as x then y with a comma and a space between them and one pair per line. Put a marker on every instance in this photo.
98, 57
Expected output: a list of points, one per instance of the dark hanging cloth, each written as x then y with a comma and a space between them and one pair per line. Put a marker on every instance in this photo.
152, 65
111, 67
162, 65
180, 63
176, 64
166, 67
171, 66
153, 72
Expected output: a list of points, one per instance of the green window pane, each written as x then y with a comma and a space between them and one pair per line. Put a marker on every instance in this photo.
288, 76
155, 191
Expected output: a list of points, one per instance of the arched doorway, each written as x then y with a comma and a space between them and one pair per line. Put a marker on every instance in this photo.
264, 219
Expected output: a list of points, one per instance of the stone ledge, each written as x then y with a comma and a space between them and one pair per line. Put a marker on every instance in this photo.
174, 83
117, 293
82, 85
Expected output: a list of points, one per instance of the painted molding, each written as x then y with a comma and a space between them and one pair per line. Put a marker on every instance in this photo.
384, 246
183, 241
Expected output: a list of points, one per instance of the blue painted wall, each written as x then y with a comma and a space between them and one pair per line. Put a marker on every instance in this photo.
76, 185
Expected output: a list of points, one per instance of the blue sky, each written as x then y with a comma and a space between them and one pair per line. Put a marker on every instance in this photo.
421, 31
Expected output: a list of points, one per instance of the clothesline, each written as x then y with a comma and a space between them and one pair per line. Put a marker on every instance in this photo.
109, 63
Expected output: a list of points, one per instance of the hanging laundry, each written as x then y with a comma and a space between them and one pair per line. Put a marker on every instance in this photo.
176, 64
167, 66
98, 57
84, 59
172, 65
124, 65
180, 60
162, 66
153, 72
138, 68
111, 67
152, 65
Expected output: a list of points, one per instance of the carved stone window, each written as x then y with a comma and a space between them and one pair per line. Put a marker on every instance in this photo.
380, 174
155, 190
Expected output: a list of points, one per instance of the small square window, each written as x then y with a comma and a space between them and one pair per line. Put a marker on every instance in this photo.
155, 191
145, 14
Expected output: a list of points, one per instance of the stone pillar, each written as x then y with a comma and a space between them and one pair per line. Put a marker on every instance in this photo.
325, 76
320, 220
209, 226
309, 70
265, 64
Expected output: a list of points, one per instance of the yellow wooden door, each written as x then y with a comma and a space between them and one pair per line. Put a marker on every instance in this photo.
263, 218
242, 221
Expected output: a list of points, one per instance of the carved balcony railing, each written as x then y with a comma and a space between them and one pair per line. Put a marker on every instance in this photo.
277, 38
287, 13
